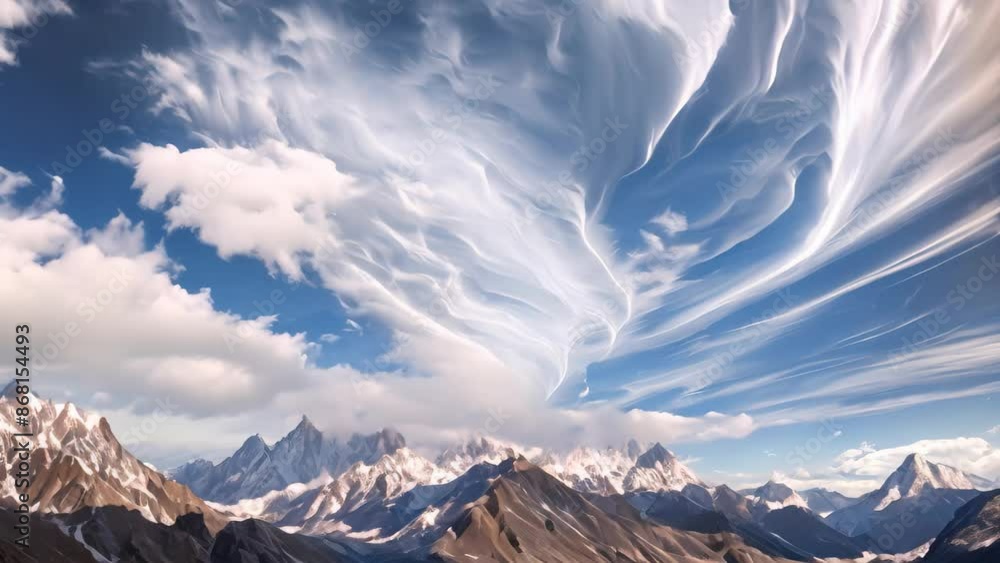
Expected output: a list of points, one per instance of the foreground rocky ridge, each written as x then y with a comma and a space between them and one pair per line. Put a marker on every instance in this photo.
524, 515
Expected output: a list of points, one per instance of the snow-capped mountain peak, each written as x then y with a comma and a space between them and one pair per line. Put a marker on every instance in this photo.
301, 456
776, 495
657, 454
78, 462
915, 475
374, 446
589, 469
460, 458
658, 469
917, 485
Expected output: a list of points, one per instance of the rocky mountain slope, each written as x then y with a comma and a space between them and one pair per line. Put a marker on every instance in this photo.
528, 515
807, 531
823, 502
910, 508
77, 462
973, 535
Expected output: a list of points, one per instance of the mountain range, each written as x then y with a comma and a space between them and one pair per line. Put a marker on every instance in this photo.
911, 507
78, 462
313, 498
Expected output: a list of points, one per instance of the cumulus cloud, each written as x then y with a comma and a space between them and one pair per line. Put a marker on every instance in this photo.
107, 316
972, 455
113, 331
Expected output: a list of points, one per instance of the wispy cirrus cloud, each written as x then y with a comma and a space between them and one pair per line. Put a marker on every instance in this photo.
731, 223
474, 236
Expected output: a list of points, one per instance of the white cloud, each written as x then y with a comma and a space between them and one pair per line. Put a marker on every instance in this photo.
972, 455
22, 19
994, 430
329, 338
107, 154
107, 317
10, 181
443, 239
459, 230
456, 223
671, 221
113, 330
801, 480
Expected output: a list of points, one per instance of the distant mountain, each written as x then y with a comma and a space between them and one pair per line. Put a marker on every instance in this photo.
592, 470
458, 459
745, 517
911, 507
367, 500
725, 500
346, 504
77, 462
973, 536
658, 469
806, 531
528, 514
392, 504
512, 512
672, 508
301, 456
823, 502
775, 495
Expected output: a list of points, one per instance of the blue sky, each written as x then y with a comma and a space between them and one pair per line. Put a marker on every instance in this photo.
721, 226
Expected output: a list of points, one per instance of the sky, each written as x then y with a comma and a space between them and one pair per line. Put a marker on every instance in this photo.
761, 233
